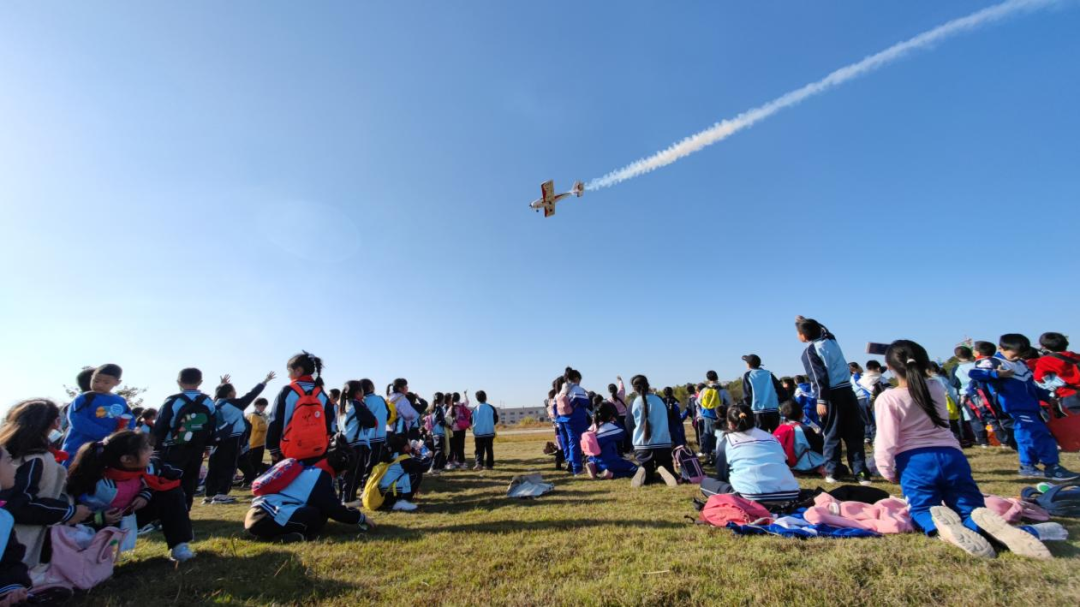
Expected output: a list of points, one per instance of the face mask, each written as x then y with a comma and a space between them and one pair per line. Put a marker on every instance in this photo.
55, 436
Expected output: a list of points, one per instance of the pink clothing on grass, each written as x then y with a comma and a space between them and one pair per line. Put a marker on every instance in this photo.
889, 515
902, 426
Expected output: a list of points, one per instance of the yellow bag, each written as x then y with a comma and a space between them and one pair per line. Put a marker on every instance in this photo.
954, 411
710, 398
372, 497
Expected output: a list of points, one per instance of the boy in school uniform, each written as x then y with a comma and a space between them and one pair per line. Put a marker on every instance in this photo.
762, 392
1012, 384
485, 417
184, 428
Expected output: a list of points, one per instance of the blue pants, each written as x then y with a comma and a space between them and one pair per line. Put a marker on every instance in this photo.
708, 435
932, 475
570, 432
1034, 442
620, 467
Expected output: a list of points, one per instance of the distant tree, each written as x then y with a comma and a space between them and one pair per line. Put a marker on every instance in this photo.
131, 394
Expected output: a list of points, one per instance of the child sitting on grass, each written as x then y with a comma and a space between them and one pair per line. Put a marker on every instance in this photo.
801, 444
402, 479
915, 447
610, 435
752, 462
116, 478
300, 510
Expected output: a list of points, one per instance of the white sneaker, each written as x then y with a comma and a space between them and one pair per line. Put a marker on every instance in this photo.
830, 480
639, 478
181, 553
952, 530
667, 476
1015, 539
403, 506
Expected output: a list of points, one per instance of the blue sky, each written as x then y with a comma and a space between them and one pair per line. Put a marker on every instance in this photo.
223, 184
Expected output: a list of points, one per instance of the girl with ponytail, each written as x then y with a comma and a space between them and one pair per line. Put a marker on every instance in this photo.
356, 420
915, 447
752, 462
305, 375
648, 424
572, 418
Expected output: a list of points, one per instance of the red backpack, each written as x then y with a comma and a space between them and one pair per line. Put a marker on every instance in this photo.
277, 478
724, 508
305, 434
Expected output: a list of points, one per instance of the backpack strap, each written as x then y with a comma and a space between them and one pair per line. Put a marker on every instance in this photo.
301, 392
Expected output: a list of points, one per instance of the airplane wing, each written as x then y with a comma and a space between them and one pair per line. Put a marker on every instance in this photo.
547, 190
549, 210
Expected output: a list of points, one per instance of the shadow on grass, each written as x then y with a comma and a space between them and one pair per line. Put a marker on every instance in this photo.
272, 576
394, 533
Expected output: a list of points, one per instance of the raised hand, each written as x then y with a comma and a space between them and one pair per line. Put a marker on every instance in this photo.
269, 377
225, 379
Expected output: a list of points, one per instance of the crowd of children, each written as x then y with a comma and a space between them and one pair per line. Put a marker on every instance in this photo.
97, 464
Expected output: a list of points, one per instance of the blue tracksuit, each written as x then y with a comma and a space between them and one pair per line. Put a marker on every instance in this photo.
357, 421
1018, 397
659, 430
484, 420
828, 373
804, 395
378, 407
675, 423
92, 417
611, 436
572, 426
932, 475
755, 465
761, 390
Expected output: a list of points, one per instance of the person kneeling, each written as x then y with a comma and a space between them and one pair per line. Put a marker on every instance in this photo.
752, 462
610, 436
299, 510
802, 445
396, 480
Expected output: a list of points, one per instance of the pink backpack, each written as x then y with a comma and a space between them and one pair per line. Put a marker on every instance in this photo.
724, 508
277, 478
589, 444
81, 563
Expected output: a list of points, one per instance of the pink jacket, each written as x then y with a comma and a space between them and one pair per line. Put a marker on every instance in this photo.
902, 426
890, 515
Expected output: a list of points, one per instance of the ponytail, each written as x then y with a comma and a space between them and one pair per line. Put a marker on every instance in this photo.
309, 364
641, 386
910, 362
740, 418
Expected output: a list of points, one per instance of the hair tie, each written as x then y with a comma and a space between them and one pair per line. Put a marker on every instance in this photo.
911, 361
742, 416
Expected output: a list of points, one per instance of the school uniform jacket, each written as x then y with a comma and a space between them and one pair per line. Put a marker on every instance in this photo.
163, 427
572, 404
659, 430
761, 390
14, 574
1066, 371
825, 366
755, 465
799, 442
675, 422
92, 417
313, 487
258, 429
484, 419
230, 413
282, 412
381, 411
357, 420
37, 501
438, 421
1017, 394
407, 417
396, 478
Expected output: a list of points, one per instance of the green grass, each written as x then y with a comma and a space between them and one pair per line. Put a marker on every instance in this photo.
591, 542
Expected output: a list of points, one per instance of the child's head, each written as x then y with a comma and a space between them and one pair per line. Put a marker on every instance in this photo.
352, 390
27, 426
689, 388
873, 365
150, 414
1013, 345
963, 353
7, 470
1030, 354
711, 376
261, 404
136, 412
808, 329
400, 385
396, 444
910, 362
669, 393
606, 413
753, 361
124, 450
105, 378
305, 364
225, 391
572, 375
854, 368
189, 379
368, 386
83, 378
339, 455
791, 411
985, 348
740, 418
457, 398
436, 399
1054, 342
801, 379
552, 393
335, 395
613, 390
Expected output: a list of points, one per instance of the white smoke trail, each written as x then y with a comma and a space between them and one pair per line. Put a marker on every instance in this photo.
724, 129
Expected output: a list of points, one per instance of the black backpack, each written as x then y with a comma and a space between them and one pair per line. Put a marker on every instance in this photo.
1060, 500
194, 423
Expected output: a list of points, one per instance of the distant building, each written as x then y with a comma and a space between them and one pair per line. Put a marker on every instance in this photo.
514, 415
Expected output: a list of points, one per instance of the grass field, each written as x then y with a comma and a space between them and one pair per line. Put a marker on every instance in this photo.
589, 542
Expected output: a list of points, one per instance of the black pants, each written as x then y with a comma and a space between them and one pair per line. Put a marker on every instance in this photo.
869, 424
221, 468
767, 420
171, 508
457, 447
307, 520
375, 452
651, 459
485, 455
438, 461
627, 444
188, 458
251, 464
844, 423
350, 479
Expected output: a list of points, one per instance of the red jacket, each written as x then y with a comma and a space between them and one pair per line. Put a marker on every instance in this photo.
1067, 371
